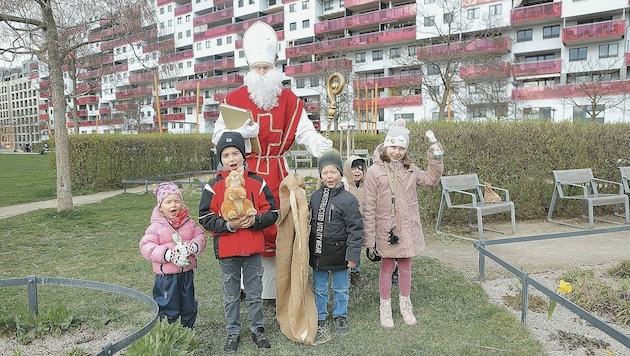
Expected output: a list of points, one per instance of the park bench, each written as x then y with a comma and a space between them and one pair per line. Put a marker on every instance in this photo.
301, 157
567, 181
465, 192
363, 153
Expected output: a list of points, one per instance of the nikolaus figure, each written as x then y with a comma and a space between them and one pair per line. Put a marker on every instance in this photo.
279, 121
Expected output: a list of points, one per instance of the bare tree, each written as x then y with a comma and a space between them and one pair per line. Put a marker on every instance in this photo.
594, 86
52, 31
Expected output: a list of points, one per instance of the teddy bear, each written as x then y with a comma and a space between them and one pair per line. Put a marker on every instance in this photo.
235, 203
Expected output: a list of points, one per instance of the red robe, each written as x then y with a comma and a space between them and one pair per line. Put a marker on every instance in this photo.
276, 135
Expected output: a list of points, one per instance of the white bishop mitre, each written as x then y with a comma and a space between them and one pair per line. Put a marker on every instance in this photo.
260, 43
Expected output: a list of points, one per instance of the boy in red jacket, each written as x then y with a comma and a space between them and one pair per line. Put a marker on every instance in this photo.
239, 243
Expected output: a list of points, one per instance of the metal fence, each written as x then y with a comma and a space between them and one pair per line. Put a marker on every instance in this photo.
32, 282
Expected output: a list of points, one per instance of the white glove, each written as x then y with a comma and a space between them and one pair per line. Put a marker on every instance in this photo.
182, 249
431, 136
249, 130
182, 261
170, 254
192, 248
326, 145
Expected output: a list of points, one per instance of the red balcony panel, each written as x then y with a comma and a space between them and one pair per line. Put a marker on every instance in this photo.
43, 117
87, 87
618, 87
45, 94
180, 10
222, 63
376, 39
391, 82
80, 113
177, 56
33, 65
222, 2
487, 70
188, 100
240, 27
537, 68
164, 104
350, 4
227, 80
131, 93
318, 67
627, 55
535, 14
141, 78
219, 96
398, 13
90, 99
104, 111
492, 45
594, 31
44, 84
394, 101
211, 115
466, 3
157, 46
312, 107
33, 75
214, 17
171, 117
43, 106
125, 107
164, 2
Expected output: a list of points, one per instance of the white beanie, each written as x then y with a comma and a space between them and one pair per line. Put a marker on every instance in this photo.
398, 135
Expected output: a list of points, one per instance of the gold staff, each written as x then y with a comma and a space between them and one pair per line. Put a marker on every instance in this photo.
334, 86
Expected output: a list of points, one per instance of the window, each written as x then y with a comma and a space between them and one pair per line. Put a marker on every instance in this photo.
429, 1
314, 82
377, 55
472, 88
540, 57
448, 18
299, 83
188, 33
228, 39
306, 23
292, 8
394, 52
524, 35
179, 20
585, 113
161, 11
219, 41
473, 13
292, 26
551, 31
179, 36
429, 21
207, 44
328, 5
577, 54
170, 8
406, 117
609, 50
187, 18
305, 4
540, 113
495, 10
360, 57
411, 50
198, 46
433, 69
477, 110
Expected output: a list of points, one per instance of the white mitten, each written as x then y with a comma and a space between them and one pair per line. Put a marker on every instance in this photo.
326, 145
182, 261
249, 130
435, 147
431, 136
193, 248
182, 249
170, 255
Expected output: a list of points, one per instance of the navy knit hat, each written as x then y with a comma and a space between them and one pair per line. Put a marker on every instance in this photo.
231, 139
332, 157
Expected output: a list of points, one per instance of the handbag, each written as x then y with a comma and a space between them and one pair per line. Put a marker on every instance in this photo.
490, 196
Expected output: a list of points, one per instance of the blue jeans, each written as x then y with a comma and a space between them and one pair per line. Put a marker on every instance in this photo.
252, 281
340, 292
175, 296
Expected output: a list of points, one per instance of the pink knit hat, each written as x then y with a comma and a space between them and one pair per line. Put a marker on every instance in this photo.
165, 189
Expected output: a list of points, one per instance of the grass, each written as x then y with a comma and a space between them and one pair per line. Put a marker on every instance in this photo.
100, 242
26, 178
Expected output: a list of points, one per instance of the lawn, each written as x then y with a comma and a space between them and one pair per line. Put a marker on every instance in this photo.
100, 242
26, 178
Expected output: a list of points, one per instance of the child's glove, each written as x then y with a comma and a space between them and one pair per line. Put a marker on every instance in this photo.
192, 248
182, 249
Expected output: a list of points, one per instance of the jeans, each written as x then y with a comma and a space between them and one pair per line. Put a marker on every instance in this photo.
252, 270
175, 296
340, 292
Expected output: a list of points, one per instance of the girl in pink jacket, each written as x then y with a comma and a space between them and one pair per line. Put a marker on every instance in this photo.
391, 216
171, 243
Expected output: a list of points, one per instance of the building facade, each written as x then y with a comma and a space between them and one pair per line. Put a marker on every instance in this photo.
457, 60
20, 125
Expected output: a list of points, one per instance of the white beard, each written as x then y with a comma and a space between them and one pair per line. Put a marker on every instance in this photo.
264, 90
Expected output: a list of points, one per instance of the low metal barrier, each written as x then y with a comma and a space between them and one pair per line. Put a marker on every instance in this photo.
526, 280
32, 281
191, 178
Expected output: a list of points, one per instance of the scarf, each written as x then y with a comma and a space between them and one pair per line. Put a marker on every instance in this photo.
179, 219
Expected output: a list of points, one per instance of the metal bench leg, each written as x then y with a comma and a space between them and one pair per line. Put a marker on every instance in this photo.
439, 219
480, 224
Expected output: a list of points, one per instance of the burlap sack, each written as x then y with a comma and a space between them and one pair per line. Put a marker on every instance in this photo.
489, 195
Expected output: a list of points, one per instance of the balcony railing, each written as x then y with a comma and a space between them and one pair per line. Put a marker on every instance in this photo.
171, 117
141, 78
618, 87
537, 68
535, 14
131, 93
104, 111
216, 64
91, 99
180, 10
211, 115
232, 79
240, 27
162, 45
312, 107
609, 29
398, 13
486, 70
177, 102
376, 39
411, 80
393, 101
177, 56
214, 17
349, 4
492, 45
318, 67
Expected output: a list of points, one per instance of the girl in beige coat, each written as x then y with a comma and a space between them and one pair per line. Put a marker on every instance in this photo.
391, 216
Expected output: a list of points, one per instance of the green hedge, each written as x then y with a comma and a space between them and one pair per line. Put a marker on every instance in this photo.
518, 156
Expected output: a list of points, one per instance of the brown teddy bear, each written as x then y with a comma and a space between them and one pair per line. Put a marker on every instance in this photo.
235, 203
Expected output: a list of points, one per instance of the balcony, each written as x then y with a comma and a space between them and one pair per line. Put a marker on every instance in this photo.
133, 93
171, 117
485, 46
369, 40
43, 106
627, 57
394, 101
87, 87
157, 46
312, 107
219, 97
45, 94
90, 99
240, 27
412, 80
43, 117
399, 13
208, 66
618, 87
537, 14
486, 71
537, 68
609, 30
233, 79
104, 110
44, 84
180, 10
125, 107
33, 75
177, 56
211, 115
225, 14
355, 5
222, 2
80, 113
177, 102
141, 78
330, 65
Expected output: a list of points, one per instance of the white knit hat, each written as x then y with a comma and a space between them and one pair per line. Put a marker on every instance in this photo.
398, 135
260, 43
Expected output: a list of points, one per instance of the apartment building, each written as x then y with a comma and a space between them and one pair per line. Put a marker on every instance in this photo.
20, 124
457, 60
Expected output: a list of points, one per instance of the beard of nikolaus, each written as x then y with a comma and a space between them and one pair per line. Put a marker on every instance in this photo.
264, 90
